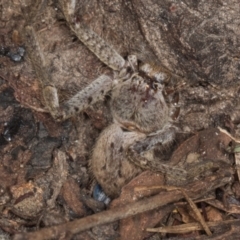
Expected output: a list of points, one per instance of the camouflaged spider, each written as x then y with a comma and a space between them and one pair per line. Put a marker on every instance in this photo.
143, 109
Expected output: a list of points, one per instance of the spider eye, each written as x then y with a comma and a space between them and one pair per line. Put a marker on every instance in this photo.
156, 85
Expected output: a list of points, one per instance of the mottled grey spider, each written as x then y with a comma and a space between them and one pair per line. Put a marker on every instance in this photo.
143, 106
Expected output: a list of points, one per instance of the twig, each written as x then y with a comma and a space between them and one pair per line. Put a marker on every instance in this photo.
197, 189
189, 227
189, 200
197, 213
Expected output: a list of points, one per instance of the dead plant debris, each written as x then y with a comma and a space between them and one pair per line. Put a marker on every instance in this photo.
45, 181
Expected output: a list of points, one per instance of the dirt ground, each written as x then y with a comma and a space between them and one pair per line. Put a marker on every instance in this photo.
45, 181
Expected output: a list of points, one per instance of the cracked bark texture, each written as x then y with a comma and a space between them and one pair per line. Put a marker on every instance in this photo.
198, 40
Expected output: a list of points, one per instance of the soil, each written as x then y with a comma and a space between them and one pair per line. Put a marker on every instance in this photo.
45, 179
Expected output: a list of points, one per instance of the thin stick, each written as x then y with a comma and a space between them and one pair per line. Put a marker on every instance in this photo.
197, 213
189, 227
190, 202
104, 217
197, 189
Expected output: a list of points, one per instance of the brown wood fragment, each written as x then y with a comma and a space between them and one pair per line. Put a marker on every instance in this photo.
197, 189
189, 227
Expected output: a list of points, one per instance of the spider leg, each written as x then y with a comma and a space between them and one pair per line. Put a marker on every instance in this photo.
40, 66
137, 152
91, 94
90, 39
